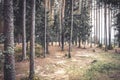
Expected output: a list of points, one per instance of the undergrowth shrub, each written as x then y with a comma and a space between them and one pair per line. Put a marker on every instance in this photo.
18, 52
38, 51
97, 70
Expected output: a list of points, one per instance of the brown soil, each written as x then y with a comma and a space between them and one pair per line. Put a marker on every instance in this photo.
55, 65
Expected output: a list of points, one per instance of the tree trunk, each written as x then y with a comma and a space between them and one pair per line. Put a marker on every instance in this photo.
9, 61
99, 22
101, 11
45, 49
62, 41
60, 19
94, 25
79, 46
76, 41
32, 41
24, 30
80, 3
105, 25
52, 43
69, 15
62, 32
109, 16
27, 45
119, 44
47, 45
90, 2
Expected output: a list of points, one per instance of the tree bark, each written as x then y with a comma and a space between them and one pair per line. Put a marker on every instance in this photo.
109, 16
79, 46
99, 23
105, 25
62, 32
90, 2
24, 30
32, 41
94, 25
45, 47
71, 30
9, 61
101, 11
60, 19
62, 41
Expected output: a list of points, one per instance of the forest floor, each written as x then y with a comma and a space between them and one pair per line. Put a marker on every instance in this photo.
85, 64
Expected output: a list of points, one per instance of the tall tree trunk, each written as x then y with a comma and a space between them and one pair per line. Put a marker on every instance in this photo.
94, 25
71, 32
99, 22
119, 30
32, 41
45, 49
109, 26
69, 16
105, 25
62, 32
60, 17
91, 20
24, 30
9, 61
114, 11
101, 11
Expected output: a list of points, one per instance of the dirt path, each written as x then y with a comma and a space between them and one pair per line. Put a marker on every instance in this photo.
56, 66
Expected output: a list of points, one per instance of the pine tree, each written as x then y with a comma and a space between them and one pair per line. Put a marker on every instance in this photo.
105, 25
68, 23
62, 28
9, 62
24, 29
45, 47
32, 41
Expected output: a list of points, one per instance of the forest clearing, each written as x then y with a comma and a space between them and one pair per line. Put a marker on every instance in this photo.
85, 64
